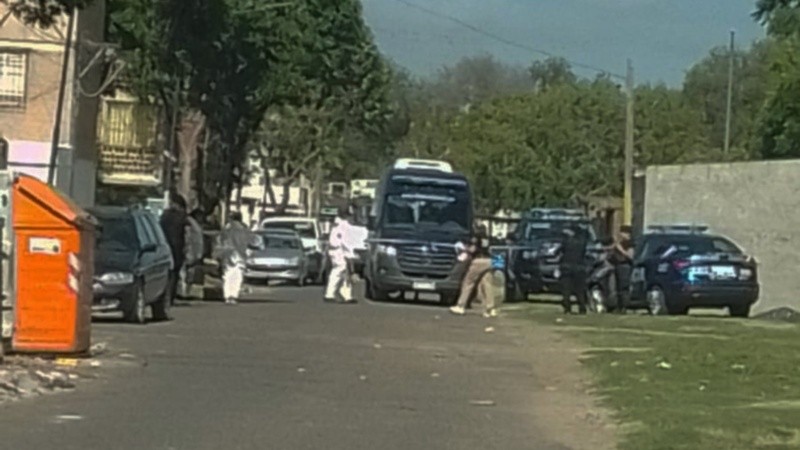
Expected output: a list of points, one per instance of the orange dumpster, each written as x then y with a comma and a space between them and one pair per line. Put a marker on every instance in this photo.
54, 267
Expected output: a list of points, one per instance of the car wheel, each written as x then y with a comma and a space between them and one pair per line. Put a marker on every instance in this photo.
162, 308
301, 280
135, 310
597, 299
742, 311
656, 301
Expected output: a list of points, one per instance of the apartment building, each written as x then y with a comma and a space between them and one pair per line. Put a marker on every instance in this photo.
31, 61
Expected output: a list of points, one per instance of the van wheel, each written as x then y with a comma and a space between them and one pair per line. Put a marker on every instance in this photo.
162, 308
742, 311
656, 301
135, 310
376, 294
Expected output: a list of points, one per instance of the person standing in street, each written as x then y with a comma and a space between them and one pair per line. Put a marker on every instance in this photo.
234, 240
340, 284
173, 223
622, 259
476, 283
195, 250
573, 268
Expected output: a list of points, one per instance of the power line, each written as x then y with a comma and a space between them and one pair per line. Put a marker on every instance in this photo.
505, 41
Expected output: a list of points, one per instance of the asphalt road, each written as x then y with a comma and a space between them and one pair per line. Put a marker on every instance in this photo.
285, 371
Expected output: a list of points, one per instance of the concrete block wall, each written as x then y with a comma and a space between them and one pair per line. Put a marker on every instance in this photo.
757, 204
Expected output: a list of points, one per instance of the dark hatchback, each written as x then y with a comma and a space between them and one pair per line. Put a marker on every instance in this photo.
132, 264
678, 268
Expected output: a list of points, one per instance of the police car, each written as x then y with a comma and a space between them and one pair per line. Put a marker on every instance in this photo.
680, 267
536, 256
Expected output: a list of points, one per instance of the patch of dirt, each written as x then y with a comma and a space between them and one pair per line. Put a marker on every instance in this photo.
566, 406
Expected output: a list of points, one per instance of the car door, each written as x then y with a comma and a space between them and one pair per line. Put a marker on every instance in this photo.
162, 257
147, 259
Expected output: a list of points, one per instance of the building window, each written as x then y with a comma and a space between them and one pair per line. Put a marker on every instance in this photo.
13, 70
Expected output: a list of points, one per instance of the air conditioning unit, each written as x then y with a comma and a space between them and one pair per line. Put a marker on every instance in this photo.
424, 164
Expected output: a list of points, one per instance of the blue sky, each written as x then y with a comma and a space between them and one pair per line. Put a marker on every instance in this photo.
663, 37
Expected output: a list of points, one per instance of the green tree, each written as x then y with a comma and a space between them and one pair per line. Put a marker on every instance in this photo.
706, 89
779, 123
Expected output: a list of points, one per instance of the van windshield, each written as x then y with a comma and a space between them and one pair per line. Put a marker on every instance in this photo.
410, 210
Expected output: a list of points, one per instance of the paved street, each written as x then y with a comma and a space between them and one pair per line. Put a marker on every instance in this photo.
289, 372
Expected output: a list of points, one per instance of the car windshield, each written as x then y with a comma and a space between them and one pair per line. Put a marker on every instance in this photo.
536, 230
411, 210
304, 229
272, 241
117, 233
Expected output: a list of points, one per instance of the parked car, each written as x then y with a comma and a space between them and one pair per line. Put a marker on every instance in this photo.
132, 264
313, 241
677, 268
280, 257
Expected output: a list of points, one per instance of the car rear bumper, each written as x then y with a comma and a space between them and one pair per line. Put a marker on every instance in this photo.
714, 296
293, 273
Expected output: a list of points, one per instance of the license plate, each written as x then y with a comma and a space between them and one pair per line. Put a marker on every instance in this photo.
424, 286
723, 272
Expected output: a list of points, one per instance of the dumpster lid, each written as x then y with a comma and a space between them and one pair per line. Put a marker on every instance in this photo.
52, 199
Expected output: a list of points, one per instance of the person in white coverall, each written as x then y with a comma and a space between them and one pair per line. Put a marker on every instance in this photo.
340, 285
234, 240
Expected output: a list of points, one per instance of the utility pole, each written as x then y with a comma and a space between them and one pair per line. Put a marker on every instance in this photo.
62, 90
627, 211
729, 112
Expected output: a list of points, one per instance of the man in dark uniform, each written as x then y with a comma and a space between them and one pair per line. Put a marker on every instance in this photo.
622, 259
573, 268
174, 223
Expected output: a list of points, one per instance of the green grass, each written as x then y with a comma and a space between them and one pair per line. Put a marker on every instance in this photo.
692, 382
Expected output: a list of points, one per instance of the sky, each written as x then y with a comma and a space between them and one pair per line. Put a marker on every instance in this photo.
663, 38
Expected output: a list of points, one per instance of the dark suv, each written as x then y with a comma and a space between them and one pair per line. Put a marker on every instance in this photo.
132, 264
536, 250
680, 267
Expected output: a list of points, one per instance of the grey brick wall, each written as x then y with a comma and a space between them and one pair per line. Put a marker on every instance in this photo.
757, 204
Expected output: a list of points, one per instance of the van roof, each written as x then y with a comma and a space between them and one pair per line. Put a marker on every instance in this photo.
423, 164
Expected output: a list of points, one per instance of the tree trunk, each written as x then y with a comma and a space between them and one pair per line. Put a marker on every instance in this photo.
285, 199
188, 140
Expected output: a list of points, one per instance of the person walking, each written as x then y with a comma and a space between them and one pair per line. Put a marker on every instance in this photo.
340, 285
573, 268
476, 283
173, 223
622, 259
234, 240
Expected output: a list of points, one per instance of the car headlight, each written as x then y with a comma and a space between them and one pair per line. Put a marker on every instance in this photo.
527, 254
117, 278
745, 273
387, 250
